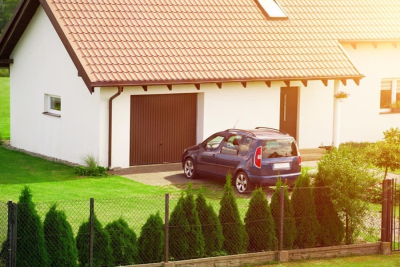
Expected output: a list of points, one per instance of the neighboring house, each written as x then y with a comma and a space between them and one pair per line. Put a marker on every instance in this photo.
135, 82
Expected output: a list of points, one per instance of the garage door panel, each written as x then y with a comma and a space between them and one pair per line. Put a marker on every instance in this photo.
162, 126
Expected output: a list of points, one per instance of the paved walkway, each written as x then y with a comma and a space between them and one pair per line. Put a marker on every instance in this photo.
172, 174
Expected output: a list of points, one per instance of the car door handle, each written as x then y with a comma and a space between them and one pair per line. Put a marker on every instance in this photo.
213, 155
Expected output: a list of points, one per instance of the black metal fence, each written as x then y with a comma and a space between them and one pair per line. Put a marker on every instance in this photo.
165, 228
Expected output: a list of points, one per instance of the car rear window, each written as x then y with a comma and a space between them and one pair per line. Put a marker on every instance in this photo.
279, 148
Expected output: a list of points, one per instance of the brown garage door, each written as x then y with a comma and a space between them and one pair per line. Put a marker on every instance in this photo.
162, 126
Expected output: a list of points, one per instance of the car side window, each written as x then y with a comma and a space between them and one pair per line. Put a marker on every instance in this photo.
214, 142
244, 145
231, 145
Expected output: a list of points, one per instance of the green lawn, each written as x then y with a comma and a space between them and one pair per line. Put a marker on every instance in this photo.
5, 107
358, 261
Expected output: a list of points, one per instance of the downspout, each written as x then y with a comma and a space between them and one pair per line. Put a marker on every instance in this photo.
120, 89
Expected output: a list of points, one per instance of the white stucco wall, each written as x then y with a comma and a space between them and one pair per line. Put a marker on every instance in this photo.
361, 119
217, 109
42, 66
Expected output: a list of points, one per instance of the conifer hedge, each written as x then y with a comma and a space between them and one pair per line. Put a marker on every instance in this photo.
235, 235
60, 241
331, 226
102, 251
289, 226
178, 231
210, 227
151, 240
260, 224
123, 242
31, 243
305, 213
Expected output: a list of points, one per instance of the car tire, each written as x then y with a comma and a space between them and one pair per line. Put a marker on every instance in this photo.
189, 168
242, 183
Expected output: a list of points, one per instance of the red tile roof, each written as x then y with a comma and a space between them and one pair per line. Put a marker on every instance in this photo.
189, 41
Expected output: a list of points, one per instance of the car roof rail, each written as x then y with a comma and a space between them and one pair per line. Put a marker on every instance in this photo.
273, 129
240, 130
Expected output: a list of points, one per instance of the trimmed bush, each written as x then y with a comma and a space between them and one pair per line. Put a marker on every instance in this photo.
151, 240
31, 243
102, 251
195, 235
289, 225
210, 227
235, 236
260, 224
60, 241
179, 231
305, 213
123, 242
331, 227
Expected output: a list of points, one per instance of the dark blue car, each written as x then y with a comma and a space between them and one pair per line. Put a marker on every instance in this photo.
253, 157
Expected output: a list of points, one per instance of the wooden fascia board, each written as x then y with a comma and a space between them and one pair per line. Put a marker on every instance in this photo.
81, 70
219, 82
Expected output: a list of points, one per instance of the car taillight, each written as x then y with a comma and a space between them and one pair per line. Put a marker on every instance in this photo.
258, 157
299, 160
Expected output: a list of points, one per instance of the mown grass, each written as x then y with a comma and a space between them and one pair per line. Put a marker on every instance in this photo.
356, 261
5, 108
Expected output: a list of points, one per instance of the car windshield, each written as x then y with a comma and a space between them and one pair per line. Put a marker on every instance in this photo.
279, 148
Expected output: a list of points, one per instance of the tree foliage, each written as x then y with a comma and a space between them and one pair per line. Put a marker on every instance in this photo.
210, 227
123, 242
289, 226
305, 213
386, 154
260, 224
348, 176
151, 240
235, 235
60, 241
31, 243
7, 10
102, 251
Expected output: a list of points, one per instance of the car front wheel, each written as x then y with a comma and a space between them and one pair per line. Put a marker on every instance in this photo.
190, 169
242, 183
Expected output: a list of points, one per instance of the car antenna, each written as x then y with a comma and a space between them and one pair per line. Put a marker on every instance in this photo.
235, 124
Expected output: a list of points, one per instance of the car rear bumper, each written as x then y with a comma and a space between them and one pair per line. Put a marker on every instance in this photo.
271, 180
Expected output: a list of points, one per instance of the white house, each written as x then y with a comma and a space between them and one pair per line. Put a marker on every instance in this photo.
135, 82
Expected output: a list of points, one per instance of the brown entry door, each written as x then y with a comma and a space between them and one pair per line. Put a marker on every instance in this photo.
162, 126
288, 110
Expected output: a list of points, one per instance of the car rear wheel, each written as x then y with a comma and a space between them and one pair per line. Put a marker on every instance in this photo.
190, 169
242, 183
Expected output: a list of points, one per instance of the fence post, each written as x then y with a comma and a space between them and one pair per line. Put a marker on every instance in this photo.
91, 232
13, 238
386, 223
281, 215
166, 230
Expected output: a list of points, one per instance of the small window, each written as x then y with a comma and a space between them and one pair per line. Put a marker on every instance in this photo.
279, 148
52, 105
390, 92
272, 9
231, 146
214, 141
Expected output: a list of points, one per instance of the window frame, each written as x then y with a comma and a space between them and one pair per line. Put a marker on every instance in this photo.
393, 93
48, 110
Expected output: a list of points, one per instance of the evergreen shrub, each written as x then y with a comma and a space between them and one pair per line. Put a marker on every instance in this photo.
31, 243
102, 251
260, 224
151, 240
289, 225
235, 236
210, 227
123, 242
60, 241
305, 213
